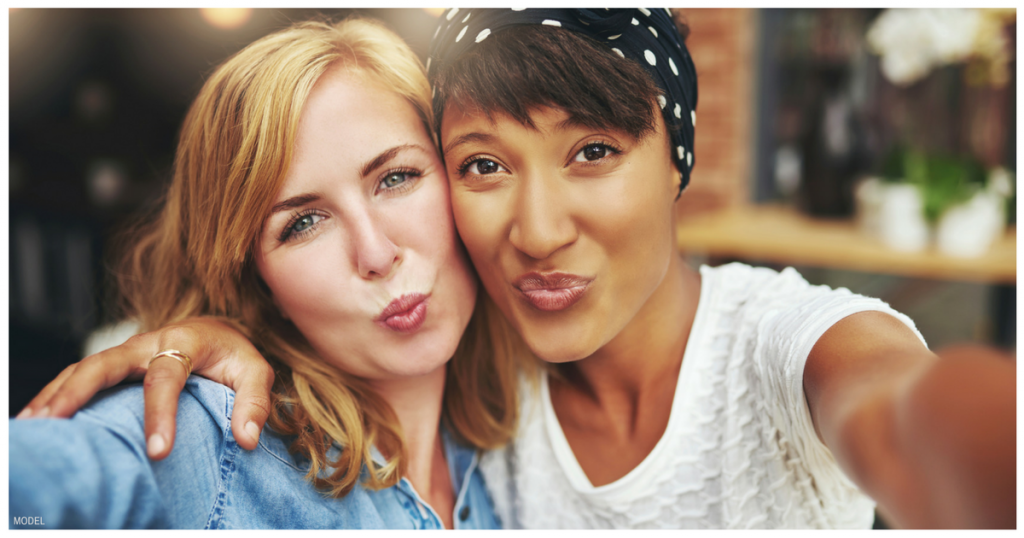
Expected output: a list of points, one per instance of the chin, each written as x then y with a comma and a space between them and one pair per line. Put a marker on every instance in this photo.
430, 351
417, 369
555, 346
557, 337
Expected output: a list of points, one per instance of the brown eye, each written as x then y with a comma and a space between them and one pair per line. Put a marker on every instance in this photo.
482, 167
485, 166
594, 152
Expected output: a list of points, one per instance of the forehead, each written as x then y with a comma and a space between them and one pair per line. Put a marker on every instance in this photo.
348, 119
347, 100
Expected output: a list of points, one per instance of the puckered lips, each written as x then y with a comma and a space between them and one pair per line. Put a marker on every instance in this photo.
404, 314
552, 292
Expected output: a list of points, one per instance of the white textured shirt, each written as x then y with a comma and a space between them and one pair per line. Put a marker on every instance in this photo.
739, 450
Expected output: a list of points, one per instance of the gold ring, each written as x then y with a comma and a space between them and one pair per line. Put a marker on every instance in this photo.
176, 355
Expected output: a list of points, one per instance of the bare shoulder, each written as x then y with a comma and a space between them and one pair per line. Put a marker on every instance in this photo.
862, 353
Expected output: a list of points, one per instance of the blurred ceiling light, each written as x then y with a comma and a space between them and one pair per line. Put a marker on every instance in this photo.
434, 11
227, 18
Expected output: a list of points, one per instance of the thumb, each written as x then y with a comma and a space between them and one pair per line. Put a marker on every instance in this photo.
252, 405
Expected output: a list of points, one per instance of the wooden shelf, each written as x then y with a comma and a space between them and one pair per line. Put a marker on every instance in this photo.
770, 233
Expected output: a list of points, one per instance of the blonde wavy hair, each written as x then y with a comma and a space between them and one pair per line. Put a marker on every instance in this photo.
196, 257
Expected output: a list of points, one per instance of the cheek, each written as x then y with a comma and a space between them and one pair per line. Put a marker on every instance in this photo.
456, 285
632, 223
430, 223
478, 218
431, 226
299, 280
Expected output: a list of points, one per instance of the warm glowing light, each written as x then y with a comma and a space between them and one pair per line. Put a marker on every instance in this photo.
434, 11
226, 17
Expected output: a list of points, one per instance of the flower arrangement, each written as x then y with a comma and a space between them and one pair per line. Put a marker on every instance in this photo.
952, 199
912, 42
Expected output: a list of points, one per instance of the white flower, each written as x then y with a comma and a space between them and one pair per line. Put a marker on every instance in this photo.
913, 41
1000, 181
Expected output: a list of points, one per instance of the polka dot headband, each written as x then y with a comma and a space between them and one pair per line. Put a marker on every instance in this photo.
646, 36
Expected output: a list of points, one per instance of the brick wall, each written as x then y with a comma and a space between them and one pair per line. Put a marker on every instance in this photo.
721, 42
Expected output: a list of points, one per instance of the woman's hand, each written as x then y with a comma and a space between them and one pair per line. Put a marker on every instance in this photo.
218, 351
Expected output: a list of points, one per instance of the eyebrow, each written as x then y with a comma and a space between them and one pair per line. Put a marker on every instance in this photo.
467, 138
370, 166
295, 201
384, 157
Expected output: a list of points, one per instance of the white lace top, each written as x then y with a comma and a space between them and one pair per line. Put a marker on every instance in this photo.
739, 450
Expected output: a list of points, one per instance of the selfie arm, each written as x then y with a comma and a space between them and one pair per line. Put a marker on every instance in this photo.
91, 471
931, 438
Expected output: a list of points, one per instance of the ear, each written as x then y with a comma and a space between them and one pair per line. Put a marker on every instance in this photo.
674, 180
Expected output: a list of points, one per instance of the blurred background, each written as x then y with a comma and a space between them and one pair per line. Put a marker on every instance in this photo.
871, 149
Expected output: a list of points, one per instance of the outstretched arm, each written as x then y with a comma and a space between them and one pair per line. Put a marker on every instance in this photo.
92, 471
931, 438
219, 351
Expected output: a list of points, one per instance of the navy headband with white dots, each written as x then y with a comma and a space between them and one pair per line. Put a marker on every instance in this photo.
646, 36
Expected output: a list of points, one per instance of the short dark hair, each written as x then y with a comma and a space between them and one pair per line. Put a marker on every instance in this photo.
526, 67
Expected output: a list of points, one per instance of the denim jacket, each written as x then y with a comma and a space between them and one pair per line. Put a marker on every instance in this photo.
91, 471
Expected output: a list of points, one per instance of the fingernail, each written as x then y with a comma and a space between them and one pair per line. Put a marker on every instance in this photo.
43, 413
25, 413
155, 445
253, 430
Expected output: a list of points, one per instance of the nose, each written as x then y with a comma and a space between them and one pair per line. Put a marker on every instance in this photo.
542, 224
375, 255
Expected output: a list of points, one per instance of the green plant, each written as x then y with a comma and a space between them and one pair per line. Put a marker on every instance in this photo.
944, 180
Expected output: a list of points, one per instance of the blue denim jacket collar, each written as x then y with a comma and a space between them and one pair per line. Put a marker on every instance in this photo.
462, 460
462, 465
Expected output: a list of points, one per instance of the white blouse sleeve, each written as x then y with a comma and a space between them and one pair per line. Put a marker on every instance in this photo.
793, 315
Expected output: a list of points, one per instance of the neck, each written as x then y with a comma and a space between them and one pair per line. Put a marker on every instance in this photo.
654, 339
417, 402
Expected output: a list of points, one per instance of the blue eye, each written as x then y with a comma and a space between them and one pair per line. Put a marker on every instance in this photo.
398, 181
305, 223
394, 179
300, 226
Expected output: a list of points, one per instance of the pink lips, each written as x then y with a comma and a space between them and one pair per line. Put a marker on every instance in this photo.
405, 314
553, 291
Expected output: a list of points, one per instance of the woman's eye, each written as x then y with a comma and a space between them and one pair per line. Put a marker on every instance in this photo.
300, 226
304, 223
394, 179
484, 166
593, 152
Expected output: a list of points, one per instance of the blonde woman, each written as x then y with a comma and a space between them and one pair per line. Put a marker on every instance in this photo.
309, 210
